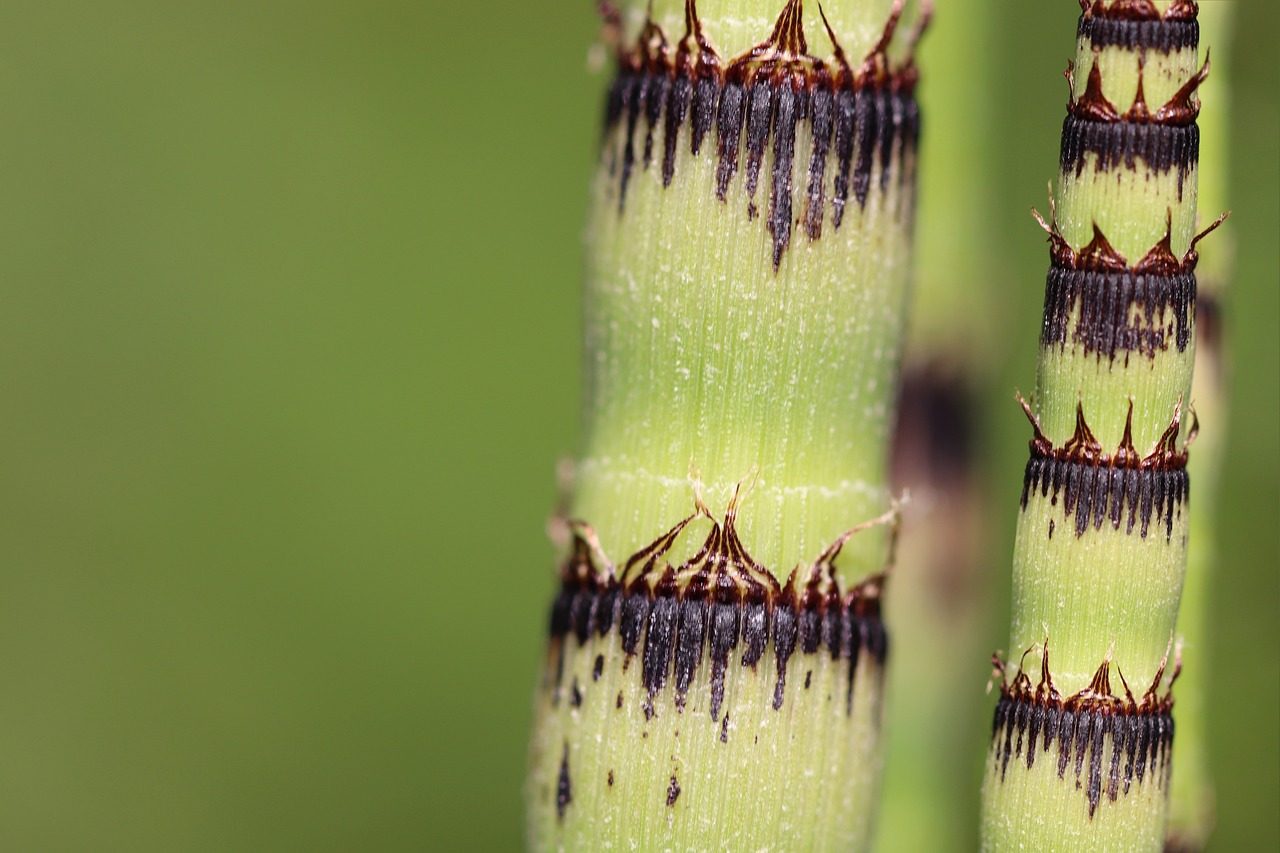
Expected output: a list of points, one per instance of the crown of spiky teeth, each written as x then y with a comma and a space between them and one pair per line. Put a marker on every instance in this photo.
718, 598
1093, 104
1139, 10
1140, 731
760, 98
1100, 256
1082, 447
1098, 486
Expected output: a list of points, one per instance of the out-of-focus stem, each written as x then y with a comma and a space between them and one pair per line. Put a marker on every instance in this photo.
940, 577
1191, 806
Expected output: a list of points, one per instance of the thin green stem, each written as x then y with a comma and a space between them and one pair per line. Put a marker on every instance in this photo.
1083, 731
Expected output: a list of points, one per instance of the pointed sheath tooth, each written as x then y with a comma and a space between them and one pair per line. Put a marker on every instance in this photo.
705, 96
655, 104
820, 127
755, 633
784, 143
784, 643
632, 97
635, 612
660, 636
677, 110
724, 637
760, 102
729, 131
690, 638
866, 135
845, 135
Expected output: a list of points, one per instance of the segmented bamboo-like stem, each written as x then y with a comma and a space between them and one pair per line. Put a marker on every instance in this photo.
717, 654
1081, 742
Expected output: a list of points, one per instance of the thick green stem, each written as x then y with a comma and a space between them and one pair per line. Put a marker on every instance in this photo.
1083, 730
716, 661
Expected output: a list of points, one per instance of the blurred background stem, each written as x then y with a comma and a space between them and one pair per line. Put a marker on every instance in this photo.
1191, 810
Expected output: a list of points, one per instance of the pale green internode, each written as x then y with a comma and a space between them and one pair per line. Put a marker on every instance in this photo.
753, 378
1102, 538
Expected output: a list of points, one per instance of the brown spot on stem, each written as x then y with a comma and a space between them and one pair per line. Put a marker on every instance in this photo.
673, 791
564, 787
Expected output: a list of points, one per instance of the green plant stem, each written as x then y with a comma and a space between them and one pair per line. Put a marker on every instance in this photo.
1080, 752
714, 674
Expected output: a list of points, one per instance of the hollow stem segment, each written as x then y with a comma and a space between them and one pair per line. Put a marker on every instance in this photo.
714, 678
1101, 546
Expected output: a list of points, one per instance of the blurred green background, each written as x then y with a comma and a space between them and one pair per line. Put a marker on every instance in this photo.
288, 355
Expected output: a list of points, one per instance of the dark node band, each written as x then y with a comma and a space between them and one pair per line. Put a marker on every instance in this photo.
1080, 731
1119, 312
862, 127
1096, 493
674, 632
1139, 731
1123, 143
1163, 36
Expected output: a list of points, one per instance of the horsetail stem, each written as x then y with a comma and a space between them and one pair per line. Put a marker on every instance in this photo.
1083, 730
716, 658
